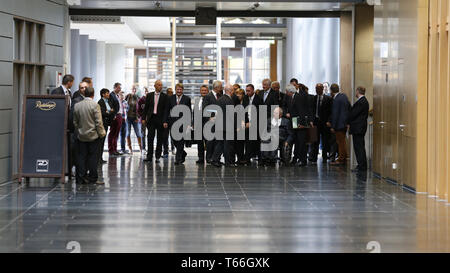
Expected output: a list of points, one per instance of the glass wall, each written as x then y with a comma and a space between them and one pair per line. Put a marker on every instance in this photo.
247, 65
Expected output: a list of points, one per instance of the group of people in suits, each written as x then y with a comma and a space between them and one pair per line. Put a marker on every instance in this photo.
331, 116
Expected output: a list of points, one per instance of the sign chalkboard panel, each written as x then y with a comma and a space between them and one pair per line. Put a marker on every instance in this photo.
44, 136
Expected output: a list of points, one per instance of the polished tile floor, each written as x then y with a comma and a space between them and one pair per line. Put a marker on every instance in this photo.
167, 208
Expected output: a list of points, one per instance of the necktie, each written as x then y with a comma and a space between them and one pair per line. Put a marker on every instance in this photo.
319, 99
178, 100
155, 109
266, 93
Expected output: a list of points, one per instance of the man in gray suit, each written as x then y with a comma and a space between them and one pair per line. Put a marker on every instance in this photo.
87, 119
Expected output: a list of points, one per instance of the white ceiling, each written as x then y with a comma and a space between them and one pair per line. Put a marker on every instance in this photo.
130, 32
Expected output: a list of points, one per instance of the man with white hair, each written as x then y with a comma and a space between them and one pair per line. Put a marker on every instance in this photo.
224, 146
288, 101
269, 96
277, 88
211, 99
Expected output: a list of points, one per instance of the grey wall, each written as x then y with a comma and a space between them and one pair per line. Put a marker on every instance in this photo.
52, 14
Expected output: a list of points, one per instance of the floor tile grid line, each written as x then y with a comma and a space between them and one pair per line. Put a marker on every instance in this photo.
323, 212
15, 190
49, 218
24, 212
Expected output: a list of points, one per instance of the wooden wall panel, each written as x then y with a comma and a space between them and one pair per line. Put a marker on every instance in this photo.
432, 99
442, 103
439, 100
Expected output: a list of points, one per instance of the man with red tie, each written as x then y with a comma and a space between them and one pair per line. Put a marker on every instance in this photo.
155, 118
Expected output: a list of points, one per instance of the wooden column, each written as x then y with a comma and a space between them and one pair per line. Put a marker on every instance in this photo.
274, 61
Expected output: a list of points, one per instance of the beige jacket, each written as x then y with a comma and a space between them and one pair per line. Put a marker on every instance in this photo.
87, 119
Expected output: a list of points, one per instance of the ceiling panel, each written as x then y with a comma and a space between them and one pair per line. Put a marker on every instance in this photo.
220, 5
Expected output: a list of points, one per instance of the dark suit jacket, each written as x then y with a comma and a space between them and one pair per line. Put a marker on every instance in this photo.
115, 102
286, 132
288, 105
76, 94
301, 108
185, 100
272, 99
106, 117
58, 91
72, 107
358, 117
161, 109
281, 99
210, 99
340, 112
204, 104
324, 110
223, 101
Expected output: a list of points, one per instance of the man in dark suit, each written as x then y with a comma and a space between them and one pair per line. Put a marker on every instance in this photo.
64, 89
302, 111
357, 121
252, 147
211, 99
108, 114
116, 124
322, 112
277, 88
269, 97
155, 118
174, 101
339, 117
202, 103
89, 83
224, 146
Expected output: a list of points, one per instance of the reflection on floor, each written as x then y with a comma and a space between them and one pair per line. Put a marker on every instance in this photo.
167, 208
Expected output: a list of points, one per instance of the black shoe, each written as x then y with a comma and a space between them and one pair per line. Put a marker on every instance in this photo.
216, 164
158, 160
294, 161
302, 164
231, 165
177, 163
148, 160
200, 162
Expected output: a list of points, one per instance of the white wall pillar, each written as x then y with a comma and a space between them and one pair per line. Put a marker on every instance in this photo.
115, 65
101, 69
313, 50
93, 62
84, 58
75, 62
